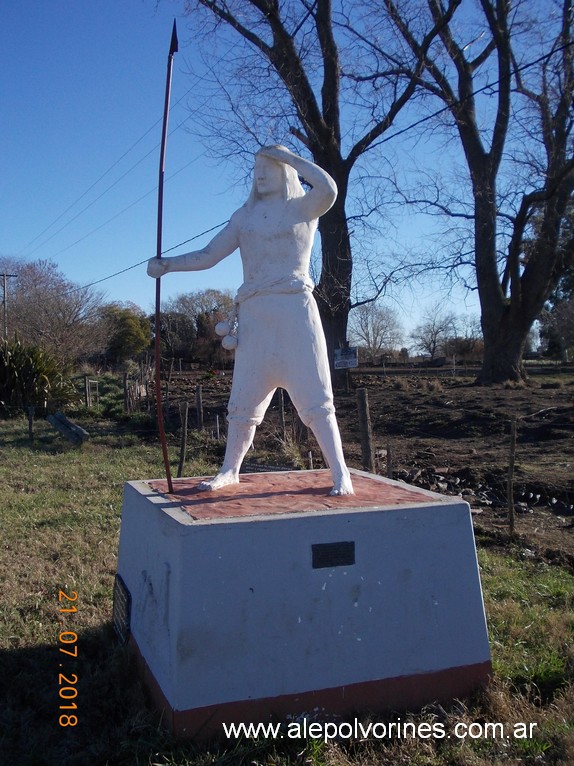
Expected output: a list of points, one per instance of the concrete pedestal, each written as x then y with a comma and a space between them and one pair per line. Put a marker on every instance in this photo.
272, 598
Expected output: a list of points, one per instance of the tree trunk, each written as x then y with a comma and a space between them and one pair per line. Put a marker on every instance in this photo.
506, 321
504, 330
333, 293
504, 344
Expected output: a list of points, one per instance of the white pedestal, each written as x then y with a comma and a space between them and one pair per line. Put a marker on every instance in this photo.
271, 598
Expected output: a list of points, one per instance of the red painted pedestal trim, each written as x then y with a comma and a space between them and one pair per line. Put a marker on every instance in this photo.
401, 693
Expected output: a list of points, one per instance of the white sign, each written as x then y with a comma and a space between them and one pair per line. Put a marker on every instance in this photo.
345, 358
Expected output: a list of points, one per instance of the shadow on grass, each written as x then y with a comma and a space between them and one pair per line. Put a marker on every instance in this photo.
121, 432
115, 724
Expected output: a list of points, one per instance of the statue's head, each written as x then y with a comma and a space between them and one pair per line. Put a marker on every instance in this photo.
268, 173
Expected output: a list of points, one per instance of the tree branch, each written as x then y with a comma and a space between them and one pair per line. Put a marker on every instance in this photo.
331, 68
421, 52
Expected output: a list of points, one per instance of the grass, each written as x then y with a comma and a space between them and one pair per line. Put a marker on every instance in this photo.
60, 517
531, 621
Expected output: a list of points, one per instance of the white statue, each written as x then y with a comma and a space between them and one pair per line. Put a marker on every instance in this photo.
280, 340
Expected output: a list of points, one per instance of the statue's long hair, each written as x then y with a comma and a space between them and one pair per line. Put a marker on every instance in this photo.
292, 185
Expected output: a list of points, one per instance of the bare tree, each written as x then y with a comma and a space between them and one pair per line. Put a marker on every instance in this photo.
558, 326
192, 304
505, 76
434, 332
301, 72
376, 329
465, 343
189, 321
51, 312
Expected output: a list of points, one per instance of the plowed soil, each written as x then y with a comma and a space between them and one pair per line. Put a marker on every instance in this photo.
446, 434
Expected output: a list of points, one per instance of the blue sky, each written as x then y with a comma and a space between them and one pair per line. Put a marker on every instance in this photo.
82, 90
82, 83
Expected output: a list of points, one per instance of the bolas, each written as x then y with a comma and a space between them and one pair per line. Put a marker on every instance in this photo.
229, 342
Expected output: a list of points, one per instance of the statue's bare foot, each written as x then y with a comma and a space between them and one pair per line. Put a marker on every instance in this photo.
342, 486
223, 479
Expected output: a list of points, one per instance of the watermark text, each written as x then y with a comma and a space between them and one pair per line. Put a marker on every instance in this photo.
359, 730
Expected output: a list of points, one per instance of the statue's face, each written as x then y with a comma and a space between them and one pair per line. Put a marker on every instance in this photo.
269, 178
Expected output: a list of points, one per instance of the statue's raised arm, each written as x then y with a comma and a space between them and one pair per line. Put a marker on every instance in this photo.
323, 192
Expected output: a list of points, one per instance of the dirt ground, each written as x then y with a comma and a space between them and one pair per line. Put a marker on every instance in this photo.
448, 435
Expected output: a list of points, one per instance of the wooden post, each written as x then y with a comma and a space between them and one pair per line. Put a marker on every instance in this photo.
183, 411
510, 481
166, 404
389, 462
367, 451
300, 430
126, 394
31, 411
282, 415
87, 398
199, 407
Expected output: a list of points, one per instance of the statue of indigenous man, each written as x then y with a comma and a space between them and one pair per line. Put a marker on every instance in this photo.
276, 329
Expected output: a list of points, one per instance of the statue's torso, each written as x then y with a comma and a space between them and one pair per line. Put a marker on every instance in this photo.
274, 245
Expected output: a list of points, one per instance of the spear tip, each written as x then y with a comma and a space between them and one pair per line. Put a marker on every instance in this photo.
173, 48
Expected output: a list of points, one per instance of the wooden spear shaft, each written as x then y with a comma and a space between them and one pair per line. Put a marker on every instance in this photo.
157, 345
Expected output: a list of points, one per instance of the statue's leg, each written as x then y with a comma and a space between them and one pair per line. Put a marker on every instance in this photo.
245, 414
307, 378
324, 426
239, 438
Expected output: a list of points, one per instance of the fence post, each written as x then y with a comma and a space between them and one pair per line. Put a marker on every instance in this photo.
126, 394
166, 405
510, 481
199, 407
183, 444
367, 451
31, 412
282, 415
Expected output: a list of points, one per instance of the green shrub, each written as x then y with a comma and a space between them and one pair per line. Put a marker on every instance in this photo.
32, 377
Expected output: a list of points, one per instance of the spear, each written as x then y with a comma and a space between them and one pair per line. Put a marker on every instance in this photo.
172, 49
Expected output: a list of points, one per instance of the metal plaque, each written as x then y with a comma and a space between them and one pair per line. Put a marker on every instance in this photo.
333, 554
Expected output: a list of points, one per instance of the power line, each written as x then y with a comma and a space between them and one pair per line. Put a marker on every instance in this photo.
140, 263
196, 236
97, 181
474, 93
121, 212
93, 202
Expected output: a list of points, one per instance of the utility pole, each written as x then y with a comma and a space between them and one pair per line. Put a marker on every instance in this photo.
6, 277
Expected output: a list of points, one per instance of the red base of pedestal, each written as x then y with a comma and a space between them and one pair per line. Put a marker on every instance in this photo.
401, 693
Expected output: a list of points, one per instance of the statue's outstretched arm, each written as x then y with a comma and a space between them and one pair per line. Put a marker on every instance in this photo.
324, 189
222, 245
